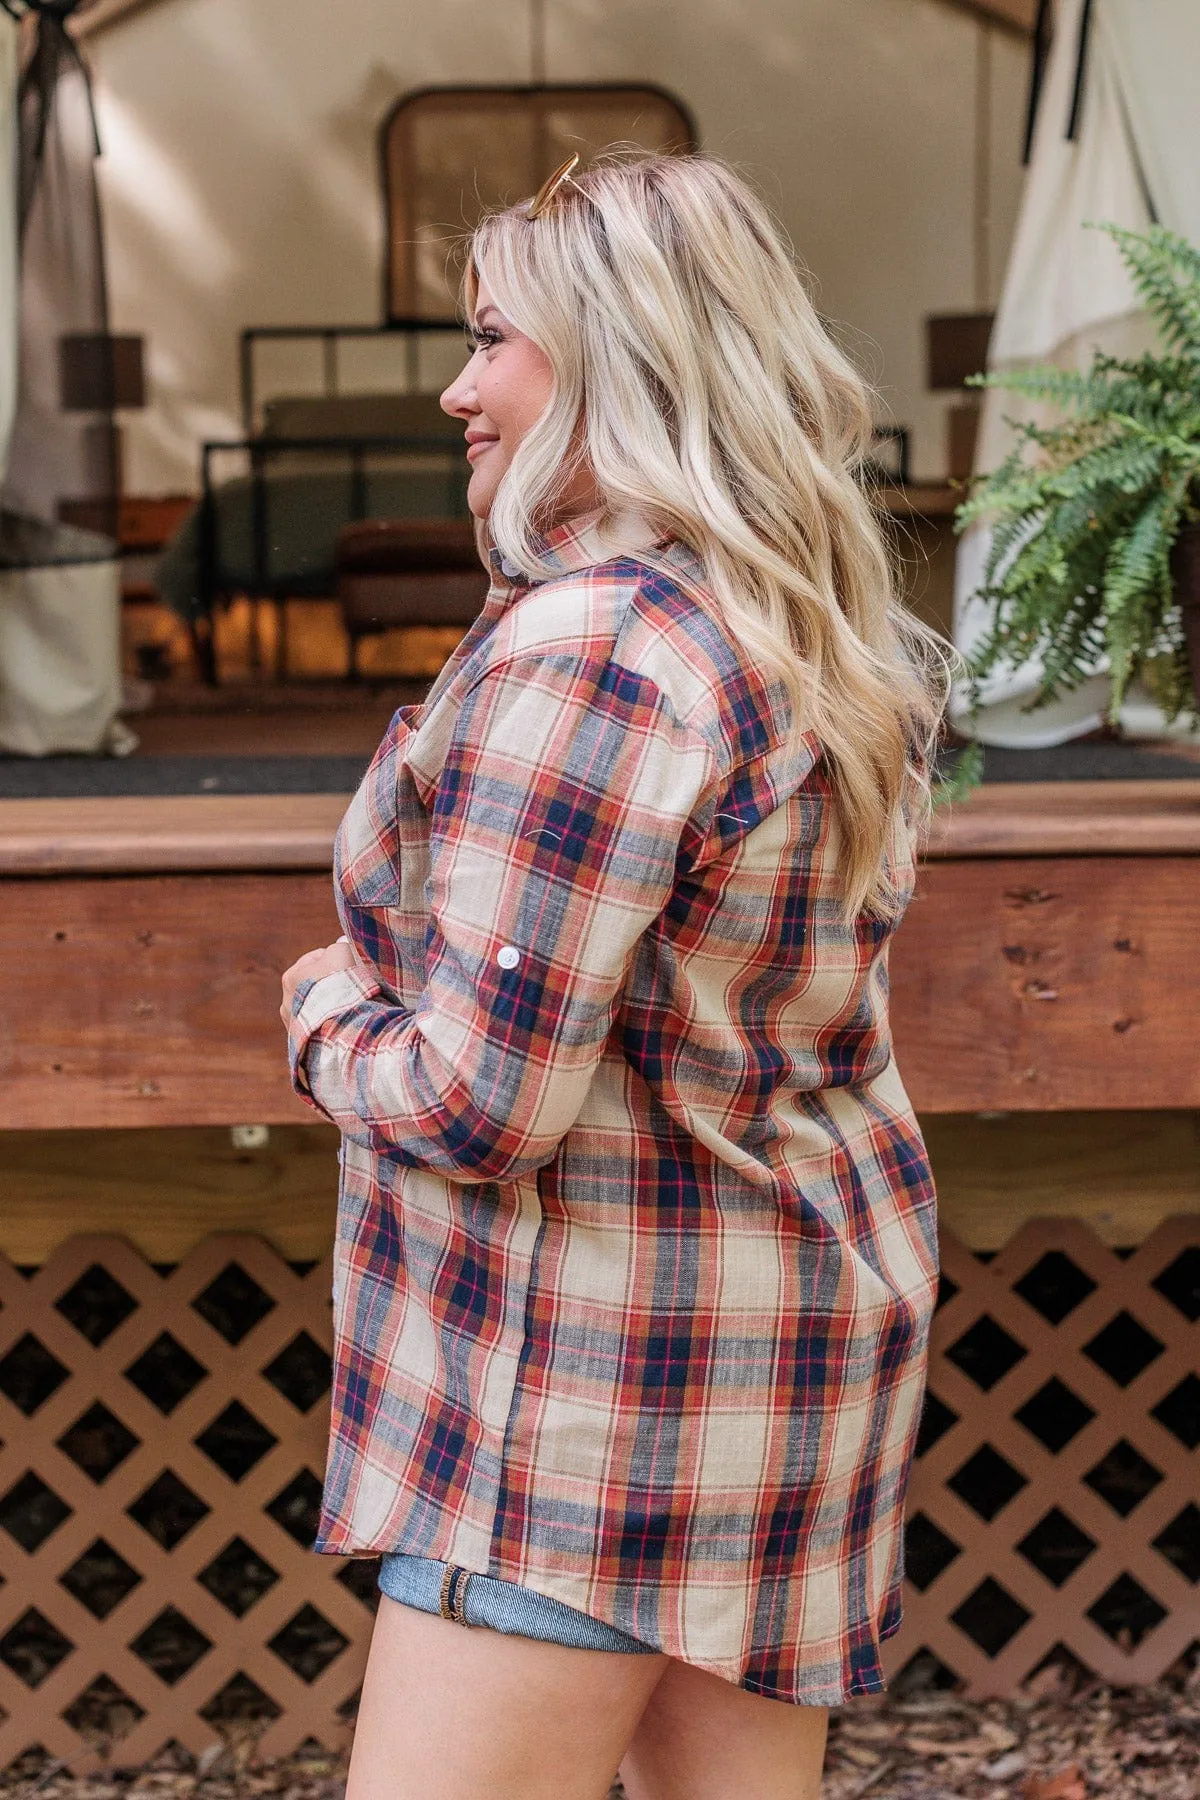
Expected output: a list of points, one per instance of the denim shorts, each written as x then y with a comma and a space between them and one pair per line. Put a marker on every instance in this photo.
471, 1599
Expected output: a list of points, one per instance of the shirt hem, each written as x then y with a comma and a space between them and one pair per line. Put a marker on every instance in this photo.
870, 1680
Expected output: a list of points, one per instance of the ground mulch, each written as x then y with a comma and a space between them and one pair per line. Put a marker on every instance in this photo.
1065, 1737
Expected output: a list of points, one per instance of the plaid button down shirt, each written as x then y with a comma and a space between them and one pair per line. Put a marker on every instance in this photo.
636, 1251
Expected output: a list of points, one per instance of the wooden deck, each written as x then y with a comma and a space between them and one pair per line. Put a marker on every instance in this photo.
168, 834
1045, 965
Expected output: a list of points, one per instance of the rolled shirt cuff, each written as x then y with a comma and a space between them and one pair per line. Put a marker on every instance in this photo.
314, 1003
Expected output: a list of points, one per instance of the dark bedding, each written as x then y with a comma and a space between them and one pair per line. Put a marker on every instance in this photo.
290, 548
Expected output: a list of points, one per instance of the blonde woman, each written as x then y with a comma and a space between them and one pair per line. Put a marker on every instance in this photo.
636, 1250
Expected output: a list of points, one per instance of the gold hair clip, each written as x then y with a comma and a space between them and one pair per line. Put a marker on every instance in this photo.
545, 194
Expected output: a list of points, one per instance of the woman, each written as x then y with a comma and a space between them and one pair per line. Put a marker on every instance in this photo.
636, 1243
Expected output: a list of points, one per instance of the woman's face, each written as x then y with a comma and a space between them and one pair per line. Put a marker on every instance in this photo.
503, 390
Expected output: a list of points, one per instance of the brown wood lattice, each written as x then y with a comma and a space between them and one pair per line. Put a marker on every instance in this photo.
231, 1327
164, 1432
1054, 1501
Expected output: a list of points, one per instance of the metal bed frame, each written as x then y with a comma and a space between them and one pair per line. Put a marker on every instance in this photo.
260, 449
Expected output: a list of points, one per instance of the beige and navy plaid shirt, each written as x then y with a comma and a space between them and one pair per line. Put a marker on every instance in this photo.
636, 1251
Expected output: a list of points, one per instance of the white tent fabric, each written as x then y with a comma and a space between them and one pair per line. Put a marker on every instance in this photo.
1156, 46
1066, 291
60, 590
8, 232
60, 660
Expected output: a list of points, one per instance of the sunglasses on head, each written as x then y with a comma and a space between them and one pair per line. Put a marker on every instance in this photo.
536, 207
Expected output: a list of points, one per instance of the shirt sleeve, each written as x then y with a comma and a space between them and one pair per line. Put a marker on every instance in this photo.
570, 800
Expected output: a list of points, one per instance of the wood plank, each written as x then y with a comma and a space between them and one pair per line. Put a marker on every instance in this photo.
152, 1000
144, 522
166, 1191
148, 521
1121, 1173
1071, 818
1039, 984
161, 832
1049, 985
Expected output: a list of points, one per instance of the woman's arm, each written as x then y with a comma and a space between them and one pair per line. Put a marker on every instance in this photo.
570, 800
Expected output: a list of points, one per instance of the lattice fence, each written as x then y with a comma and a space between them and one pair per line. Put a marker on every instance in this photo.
163, 1438
1054, 1499
163, 1434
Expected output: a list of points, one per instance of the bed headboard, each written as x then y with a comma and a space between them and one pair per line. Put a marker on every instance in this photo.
357, 415
450, 154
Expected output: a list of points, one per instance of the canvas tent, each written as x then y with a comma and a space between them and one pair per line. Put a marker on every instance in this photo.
8, 232
60, 674
1116, 137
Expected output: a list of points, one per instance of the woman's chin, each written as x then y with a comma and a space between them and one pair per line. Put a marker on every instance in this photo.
481, 491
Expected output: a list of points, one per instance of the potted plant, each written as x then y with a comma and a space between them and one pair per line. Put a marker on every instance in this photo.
1095, 549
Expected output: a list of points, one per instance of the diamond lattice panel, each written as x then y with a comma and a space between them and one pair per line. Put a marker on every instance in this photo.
1057, 1504
162, 1437
151, 1571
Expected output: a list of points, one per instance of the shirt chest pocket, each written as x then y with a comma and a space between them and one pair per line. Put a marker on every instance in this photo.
382, 866
382, 844
367, 854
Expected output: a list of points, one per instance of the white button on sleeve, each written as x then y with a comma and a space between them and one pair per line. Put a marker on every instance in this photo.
508, 956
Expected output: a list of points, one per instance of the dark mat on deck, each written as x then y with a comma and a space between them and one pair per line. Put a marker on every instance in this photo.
1098, 761
92, 777
89, 777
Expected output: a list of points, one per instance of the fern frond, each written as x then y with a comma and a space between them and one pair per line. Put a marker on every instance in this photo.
1061, 387
1084, 509
963, 778
1166, 274
1137, 592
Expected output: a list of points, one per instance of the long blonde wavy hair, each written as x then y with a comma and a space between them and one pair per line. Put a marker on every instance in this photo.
694, 377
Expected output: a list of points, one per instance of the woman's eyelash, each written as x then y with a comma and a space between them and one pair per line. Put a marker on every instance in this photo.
482, 339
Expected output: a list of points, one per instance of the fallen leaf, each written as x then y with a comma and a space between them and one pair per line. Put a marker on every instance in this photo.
963, 1746
209, 1757
1005, 1767
870, 1781
870, 1731
1048, 1683
1069, 1785
859, 1754
927, 1746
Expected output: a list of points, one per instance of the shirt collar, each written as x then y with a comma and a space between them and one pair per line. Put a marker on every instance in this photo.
591, 538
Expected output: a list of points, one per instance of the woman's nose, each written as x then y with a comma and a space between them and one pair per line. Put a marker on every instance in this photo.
459, 398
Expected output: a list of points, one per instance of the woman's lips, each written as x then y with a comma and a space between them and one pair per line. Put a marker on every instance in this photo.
478, 446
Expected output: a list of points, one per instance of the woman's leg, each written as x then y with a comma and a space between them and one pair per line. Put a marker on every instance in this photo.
454, 1713
701, 1738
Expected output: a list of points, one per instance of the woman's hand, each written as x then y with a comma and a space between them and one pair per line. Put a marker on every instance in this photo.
311, 966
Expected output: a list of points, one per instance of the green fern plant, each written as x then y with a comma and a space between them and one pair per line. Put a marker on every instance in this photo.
1084, 513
